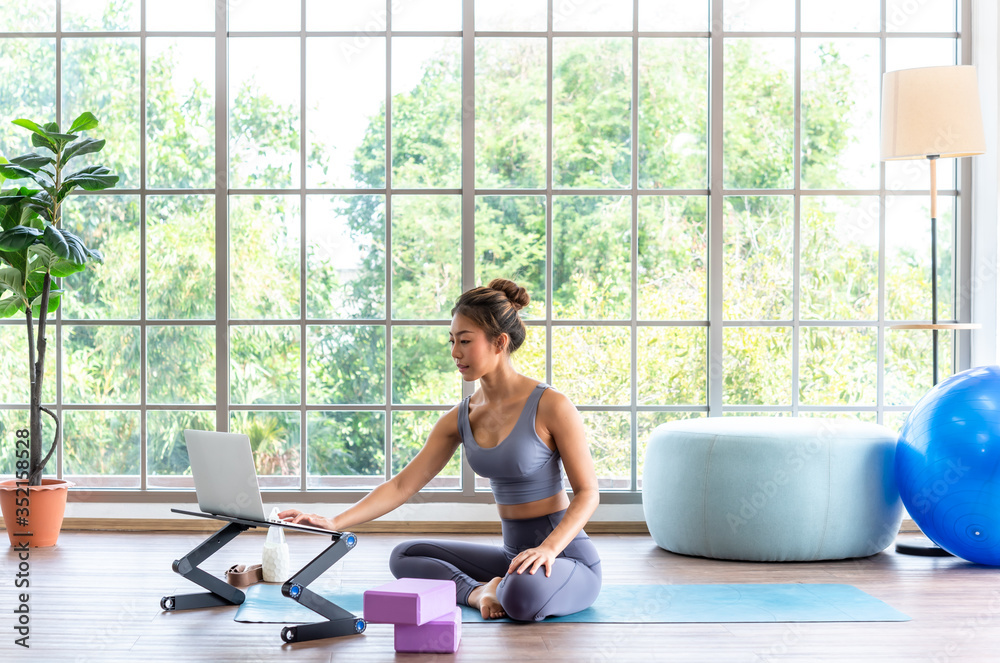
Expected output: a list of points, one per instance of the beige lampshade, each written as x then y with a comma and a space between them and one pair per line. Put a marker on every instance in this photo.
931, 111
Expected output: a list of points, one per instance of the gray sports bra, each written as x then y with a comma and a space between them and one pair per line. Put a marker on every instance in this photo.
520, 468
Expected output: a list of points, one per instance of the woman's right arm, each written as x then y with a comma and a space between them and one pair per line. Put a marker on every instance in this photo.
435, 454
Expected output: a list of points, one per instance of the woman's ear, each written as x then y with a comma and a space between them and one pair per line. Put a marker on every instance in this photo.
502, 341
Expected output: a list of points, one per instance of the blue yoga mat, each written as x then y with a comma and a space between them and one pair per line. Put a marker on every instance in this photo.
626, 604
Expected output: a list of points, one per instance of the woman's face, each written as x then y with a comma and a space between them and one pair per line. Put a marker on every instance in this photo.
473, 353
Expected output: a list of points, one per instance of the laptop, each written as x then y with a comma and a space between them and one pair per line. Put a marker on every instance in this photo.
225, 479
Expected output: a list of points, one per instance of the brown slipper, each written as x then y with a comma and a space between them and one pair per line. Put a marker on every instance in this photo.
243, 575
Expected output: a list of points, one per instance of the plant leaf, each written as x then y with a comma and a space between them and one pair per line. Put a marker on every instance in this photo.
12, 279
14, 172
76, 247
54, 239
84, 122
81, 147
91, 178
28, 124
11, 306
41, 140
32, 160
18, 238
63, 268
36, 304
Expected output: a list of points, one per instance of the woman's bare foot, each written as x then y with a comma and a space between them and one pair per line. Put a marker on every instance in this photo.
484, 597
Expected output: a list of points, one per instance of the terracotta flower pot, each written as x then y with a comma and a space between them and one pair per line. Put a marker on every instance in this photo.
46, 505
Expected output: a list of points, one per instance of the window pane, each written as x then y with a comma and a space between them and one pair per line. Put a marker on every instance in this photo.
757, 117
102, 76
109, 224
100, 364
673, 15
181, 364
426, 256
671, 366
511, 136
346, 364
12, 421
758, 249
423, 372
840, 113
591, 255
673, 113
167, 463
868, 416
591, 364
180, 257
908, 257
366, 16
849, 16
440, 15
647, 422
759, 16
603, 15
909, 363
530, 357
757, 366
346, 449
264, 112
426, 112
673, 258
99, 15
264, 264
263, 15
180, 15
264, 364
345, 256
510, 244
409, 433
520, 15
27, 87
275, 443
923, 16
592, 111
610, 438
346, 140
101, 448
839, 365
28, 17
839, 262
180, 113
16, 387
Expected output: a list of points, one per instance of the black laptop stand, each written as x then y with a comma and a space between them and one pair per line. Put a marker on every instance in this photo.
338, 621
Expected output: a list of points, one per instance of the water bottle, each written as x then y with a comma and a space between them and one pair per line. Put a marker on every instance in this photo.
274, 562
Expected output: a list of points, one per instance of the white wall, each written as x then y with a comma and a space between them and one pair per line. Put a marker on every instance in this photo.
985, 29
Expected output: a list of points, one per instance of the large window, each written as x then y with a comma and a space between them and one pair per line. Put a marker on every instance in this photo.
690, 191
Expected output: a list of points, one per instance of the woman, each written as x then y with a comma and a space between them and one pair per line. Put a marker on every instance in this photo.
519, 433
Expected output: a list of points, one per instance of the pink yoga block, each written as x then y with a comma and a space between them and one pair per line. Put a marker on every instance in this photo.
409, 601
440, 636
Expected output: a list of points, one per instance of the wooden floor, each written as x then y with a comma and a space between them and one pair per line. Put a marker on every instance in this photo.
95, 597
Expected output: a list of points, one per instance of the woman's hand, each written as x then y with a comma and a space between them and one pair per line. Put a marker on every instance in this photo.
298, 517
533, 558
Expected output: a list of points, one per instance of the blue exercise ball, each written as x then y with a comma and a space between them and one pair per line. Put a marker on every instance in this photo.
948, 464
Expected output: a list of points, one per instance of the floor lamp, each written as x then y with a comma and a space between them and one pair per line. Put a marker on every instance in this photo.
931, 113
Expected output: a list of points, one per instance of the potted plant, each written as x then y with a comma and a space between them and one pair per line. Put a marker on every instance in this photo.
34, 250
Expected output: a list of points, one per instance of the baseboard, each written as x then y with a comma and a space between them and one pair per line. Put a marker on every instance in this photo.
375, 527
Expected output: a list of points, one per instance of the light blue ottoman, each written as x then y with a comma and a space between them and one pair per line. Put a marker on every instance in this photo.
771, 489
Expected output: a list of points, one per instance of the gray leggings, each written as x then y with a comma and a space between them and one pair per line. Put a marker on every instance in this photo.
573, 586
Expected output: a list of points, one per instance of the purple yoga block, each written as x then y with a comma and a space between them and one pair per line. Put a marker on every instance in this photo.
409, 601
440, 636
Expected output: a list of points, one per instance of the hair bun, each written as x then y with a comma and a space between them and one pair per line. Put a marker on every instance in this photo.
517, 295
